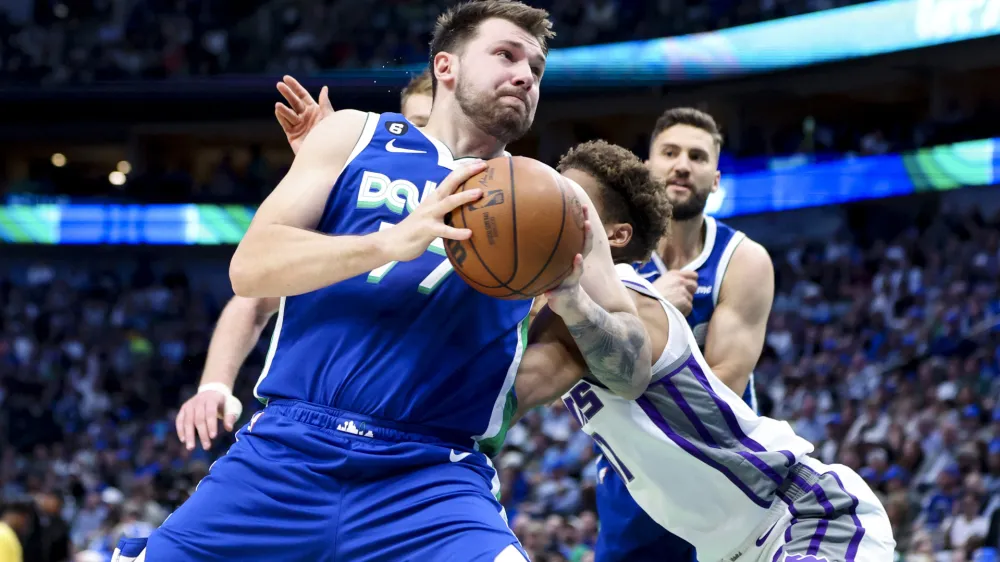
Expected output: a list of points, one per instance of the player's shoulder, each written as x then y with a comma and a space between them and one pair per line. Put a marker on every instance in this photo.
749, 274
752, 255
343, 122
747, 251
330, 143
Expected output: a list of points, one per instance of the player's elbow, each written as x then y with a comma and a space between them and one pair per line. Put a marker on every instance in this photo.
635, 375
639, 383
245, 275
629, 388
628, 392
241, 279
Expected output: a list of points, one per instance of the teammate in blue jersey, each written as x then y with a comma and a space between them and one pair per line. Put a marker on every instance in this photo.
386, 373
243, 319
721, 280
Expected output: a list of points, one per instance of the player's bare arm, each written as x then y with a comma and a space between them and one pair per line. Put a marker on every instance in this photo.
736, 331
602, 317
236, 332
552, 363
281, 253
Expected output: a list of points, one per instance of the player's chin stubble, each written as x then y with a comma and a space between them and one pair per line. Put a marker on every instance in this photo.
502, 122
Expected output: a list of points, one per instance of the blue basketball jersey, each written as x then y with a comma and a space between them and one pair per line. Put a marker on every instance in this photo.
721, 241
406, 342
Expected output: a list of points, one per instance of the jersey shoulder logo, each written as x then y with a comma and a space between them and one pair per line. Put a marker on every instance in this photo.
703, 290
397, 127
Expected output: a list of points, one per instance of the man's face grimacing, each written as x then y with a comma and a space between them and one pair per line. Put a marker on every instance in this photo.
497, 85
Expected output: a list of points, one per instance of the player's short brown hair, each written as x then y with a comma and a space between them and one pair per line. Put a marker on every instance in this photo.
630, 195
691, 117
419, 85
459, 24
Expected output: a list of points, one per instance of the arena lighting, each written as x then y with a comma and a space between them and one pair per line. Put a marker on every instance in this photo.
58, 160
124, 167
786, 184
851, 32
116, 178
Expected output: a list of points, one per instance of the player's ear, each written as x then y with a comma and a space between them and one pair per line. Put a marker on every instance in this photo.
718, 179
619, 235
445, 67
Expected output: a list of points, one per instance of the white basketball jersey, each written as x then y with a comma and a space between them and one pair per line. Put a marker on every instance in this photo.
693, 455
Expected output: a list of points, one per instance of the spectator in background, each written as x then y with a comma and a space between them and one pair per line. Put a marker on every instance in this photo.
966, 527
52, 531
14, 526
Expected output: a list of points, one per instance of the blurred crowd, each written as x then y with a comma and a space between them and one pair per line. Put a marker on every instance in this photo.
246, 174
67, 41
886, 355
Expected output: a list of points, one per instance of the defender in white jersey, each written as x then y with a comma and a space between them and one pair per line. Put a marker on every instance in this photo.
693, 454
735, 485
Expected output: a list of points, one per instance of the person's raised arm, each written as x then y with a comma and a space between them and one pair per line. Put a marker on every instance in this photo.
602, 317
282, 254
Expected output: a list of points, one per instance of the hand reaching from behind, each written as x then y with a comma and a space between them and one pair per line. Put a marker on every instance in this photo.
302, 112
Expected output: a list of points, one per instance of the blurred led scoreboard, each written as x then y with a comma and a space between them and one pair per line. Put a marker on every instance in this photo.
776, 184
94, 224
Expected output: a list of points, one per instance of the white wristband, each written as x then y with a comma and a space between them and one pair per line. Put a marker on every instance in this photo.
216, 386
233, 407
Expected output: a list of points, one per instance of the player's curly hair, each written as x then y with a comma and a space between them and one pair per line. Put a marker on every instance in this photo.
630, 195
460, 23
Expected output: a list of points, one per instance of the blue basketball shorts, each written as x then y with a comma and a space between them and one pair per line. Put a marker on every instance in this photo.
627, 533
309, 483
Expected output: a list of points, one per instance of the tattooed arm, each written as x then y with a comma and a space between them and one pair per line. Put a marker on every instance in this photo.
601, 315
614, 345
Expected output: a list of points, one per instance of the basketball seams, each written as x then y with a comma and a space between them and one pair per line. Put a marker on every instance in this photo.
562, 228
472, 245
513, 222
563, 237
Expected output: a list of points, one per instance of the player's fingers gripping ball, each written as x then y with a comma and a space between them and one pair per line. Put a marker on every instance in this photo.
526, 230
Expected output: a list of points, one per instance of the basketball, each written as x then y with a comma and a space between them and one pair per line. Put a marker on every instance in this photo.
526, 230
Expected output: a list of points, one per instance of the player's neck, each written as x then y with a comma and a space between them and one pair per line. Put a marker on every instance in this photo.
685, 243
460, 135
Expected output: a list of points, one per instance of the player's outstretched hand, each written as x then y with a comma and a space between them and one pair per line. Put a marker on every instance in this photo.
201, 414
678, 288
569, 289
302, 112
411, 238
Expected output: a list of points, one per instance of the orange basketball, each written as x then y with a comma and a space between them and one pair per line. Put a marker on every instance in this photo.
526, 230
